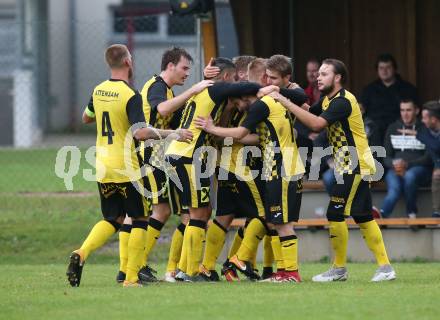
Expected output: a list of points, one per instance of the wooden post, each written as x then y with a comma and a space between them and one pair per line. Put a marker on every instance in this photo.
209, 37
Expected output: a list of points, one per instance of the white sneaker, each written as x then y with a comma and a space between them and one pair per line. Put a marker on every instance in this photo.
412, 215
170, 276
334, 274
182, 276
384, 273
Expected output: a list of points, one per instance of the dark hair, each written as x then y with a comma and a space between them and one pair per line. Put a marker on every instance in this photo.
223, 64
338, 68
433, 108
280, 64
173, 55
409, 100
386, 57
314, 60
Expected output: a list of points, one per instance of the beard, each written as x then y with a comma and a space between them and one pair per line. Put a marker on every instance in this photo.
327, 89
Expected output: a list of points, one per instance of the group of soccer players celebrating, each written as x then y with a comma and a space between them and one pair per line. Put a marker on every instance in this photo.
244, 111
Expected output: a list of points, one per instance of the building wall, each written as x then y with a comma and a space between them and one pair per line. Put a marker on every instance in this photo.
93, 32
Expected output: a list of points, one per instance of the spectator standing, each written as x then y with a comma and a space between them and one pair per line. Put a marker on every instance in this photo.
381, 98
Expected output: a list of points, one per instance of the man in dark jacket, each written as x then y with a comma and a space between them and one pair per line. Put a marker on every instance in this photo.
430, 136
408, 162
381, 98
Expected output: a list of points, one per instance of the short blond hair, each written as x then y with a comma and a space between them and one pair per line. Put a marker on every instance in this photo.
115, 55
257, 68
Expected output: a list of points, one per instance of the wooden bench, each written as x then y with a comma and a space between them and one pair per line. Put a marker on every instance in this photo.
392, 222
318, 185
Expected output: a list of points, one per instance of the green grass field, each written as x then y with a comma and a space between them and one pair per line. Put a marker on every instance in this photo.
41, 292
32, 170
40, 230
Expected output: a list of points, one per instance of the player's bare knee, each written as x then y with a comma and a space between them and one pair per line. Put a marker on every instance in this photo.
225, 221
184, 218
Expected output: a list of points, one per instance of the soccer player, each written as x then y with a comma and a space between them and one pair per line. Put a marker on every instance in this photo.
160, 105
242, 64
229, 203
282, 172
117, 108
339, 112
187, 160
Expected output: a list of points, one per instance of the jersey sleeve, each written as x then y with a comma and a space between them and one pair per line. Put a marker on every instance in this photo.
220, 91
157, 93
258, 112
339, 109
90, 109
135, 113
316, 108
297, 96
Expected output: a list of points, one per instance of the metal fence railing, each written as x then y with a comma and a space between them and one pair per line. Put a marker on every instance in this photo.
46, 81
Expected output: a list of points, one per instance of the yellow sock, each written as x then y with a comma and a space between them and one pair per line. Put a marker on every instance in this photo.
136, 245
339, 240
267, 252
289, 249
99, 235
215, 239
373, 237
176, 248
277, 252
153, 233
195, 231
183, 261
255, 231
236, 243
124, 236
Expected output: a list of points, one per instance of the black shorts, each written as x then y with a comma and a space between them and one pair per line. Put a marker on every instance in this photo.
283, 200
352, 198
120, 199
194, 191
243, 199
176, 202
157, 187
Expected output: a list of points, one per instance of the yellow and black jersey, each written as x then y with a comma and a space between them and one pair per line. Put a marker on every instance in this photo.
154, 92
210, 101
274, 125
346, 131
236, 154
116, 107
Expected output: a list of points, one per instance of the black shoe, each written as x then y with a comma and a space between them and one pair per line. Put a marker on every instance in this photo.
146, 275
201, 277
120, 277
267, 273
245, 267
210, 275
74, 270
436, 214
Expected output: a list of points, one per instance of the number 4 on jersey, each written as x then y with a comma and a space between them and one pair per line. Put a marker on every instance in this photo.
107, 127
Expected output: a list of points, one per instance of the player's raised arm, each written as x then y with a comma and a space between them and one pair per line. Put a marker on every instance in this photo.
310, 120
207, 124
169, 106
